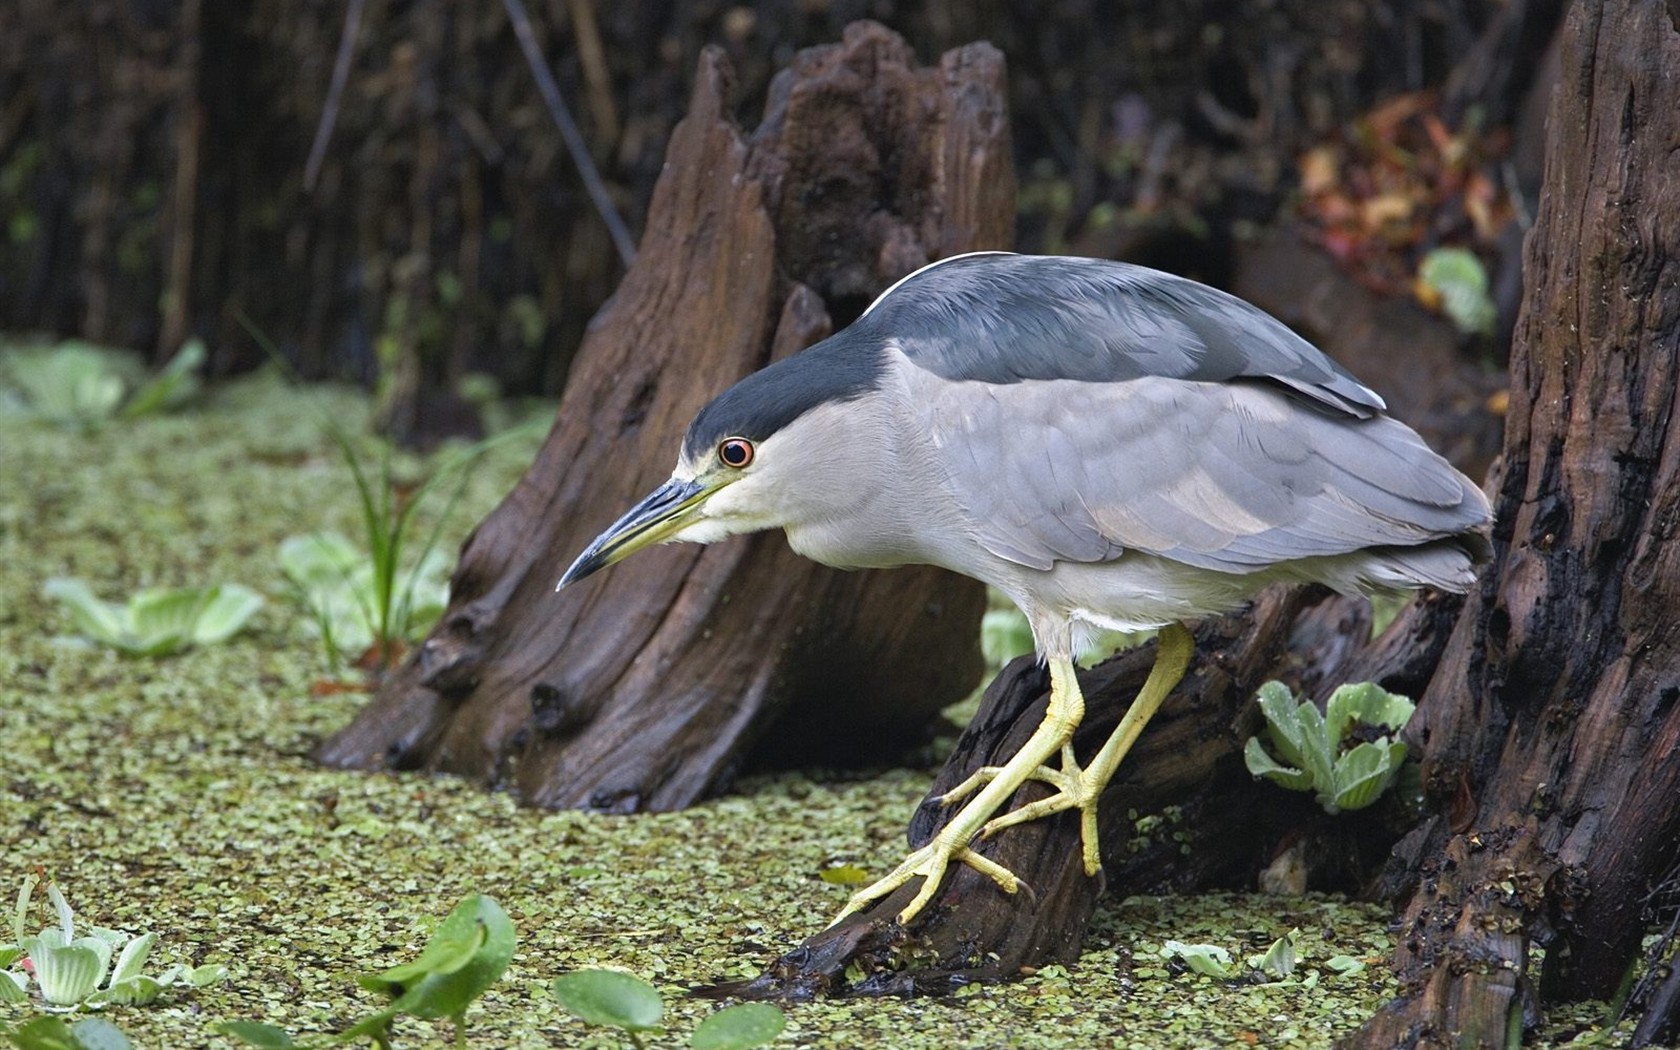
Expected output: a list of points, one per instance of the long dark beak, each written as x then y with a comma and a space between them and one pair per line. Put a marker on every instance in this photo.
665, 510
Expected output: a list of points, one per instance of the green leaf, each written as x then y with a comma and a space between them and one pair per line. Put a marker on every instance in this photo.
1283, 724
162, 620
174, 384
157, 621
467, 954
739, 1027
132, 958
46, 1033
1365, 703
1281, 958
96, 1033
608, 997
101, 621
73, 384
318, 560
14, 986
447, 951
206, 975
20, 913
1261, 764
1207, 959
135, 991
67, 974
377, 1028
844, 875
1318, 751
1344, 964
255, 1033
225, 613
1457, 275
1364, 773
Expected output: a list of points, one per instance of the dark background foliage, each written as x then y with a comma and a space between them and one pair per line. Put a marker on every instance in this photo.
152, 154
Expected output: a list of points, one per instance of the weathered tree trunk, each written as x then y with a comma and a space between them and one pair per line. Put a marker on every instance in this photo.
1548, 725
645, 687
1551, 721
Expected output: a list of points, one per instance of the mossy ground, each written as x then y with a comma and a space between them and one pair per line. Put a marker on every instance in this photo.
176, 795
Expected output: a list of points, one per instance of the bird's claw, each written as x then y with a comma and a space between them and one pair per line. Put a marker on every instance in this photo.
929, 863
1056, 778
1075, 789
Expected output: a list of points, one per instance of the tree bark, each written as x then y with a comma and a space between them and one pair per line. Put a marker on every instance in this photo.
645, 687
1550, 729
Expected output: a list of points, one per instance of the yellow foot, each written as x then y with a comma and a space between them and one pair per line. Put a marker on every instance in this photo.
1075, 789
1057, 778
929, 863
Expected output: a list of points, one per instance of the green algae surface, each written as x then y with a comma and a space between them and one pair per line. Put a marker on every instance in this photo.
176, 795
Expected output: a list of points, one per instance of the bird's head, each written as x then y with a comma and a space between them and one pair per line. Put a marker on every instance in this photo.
761, 456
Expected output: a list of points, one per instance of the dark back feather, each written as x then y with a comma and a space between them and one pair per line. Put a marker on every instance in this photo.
1000, 318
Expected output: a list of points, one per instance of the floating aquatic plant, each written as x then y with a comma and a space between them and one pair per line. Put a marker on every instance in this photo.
157, 621
55, 1033
465, 955
79, 385
353, 608
1327, 753
99, 967
613, 999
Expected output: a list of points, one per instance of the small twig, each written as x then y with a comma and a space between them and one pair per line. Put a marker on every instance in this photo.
335, 92
569, 132
592, 56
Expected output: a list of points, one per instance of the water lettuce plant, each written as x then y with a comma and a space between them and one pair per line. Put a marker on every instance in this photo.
1337, 754
79, 385
465, 955
613, 999
157, 621
1278, 964
100, 967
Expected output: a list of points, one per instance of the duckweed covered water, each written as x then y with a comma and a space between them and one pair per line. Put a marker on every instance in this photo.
176, 795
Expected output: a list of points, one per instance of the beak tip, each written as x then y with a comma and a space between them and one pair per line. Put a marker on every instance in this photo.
648, 522
573, 574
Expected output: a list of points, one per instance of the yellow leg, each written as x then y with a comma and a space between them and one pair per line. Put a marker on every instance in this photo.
1081, 788
1065, 710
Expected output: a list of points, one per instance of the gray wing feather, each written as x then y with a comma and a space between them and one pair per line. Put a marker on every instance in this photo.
999, 318
1227, 476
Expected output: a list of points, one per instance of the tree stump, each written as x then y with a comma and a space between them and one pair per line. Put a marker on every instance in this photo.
1550, 730
644, 688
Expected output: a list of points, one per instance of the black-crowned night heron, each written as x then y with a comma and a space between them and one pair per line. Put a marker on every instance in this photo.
1109, 446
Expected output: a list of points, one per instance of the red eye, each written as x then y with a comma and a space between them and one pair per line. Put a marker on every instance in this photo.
735, 452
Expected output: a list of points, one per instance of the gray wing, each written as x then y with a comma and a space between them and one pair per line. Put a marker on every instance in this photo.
1001, 318
1227, 476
